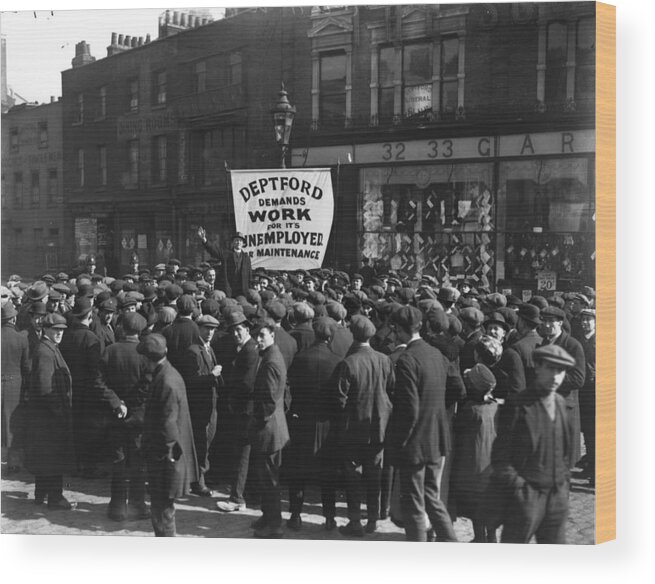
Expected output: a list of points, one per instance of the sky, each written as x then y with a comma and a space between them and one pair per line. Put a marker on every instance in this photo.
41, 43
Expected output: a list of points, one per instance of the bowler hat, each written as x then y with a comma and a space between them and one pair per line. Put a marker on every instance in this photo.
153, 346
529, 313
554, 354
234, 318
54, 320
37, 308
447, 294
82, 307
37, 291
497, 318
361, 328
238, 235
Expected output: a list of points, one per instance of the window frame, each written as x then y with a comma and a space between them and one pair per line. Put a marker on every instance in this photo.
160, 88
322, 94
35, 188
133, 166
18, 190
102, 165
81, 178
43, 130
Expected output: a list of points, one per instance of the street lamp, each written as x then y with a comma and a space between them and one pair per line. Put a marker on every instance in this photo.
283, 114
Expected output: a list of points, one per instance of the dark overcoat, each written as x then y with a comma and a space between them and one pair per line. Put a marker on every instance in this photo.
234, 274
525, 346
201, 385
268, 431
342, 341
167, 432
287, 345
304, 335
49, 434
16, 369
179, 337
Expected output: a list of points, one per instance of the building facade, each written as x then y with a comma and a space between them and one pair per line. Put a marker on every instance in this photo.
151, 130
461, 138
32, 190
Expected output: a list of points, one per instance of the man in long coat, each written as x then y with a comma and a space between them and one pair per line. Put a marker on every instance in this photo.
364, 381
16, 369
531, 455
236, 270
182, 333
419, 437
167, 437
49, 437
311, 453
528, 322
269, 433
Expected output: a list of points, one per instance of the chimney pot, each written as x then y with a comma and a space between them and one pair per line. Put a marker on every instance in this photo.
148, 38
120, 39
140, 41
135, 41
183, 19
128, 40
113, 38
52, 99
176, 17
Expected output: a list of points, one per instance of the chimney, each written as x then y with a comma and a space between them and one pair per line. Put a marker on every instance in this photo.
52, 99
82, 55
147, 38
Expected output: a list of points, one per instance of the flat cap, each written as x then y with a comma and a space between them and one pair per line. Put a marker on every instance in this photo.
276, 310
234, 318
153, 347
553, 313
189, 287
472, 316
126, 300
407, 318
108, 305
324, 327
480, 379
582, 298
54, 320
302, 312
207, 320
336, 310
495, 300
210, 306
539, 301
8, 310
447, 294
173, 292
133, 323
361, 328
588, 312
357, 277
554, 354
186, 304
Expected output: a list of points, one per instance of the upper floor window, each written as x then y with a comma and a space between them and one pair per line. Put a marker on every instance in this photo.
43, 134
332, 89
160, 88
133, 94
102, 165
417, 78
449, 69
53, 185
3, 192
585, 59
18, 189
102, 102
14, 140
159, 159
556, 53
80, 167
36, 188
79, 108
133, 162
200, 77
235, 71
387, 82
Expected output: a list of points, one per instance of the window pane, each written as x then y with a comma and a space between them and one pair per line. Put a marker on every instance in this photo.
417, 64
333, 108
556, 52
333, 70
387, 66
385, 108
448, 96
418, 98
449, 57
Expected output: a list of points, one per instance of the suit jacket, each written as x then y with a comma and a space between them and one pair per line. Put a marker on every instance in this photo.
239, 373
269, 432
234, 279
304, 335
525, 346
49, 435
179, 337
364, 383
466, 354
167, 432
509, 374
342, 341
201, 385
104, 332
287, 345
419, 431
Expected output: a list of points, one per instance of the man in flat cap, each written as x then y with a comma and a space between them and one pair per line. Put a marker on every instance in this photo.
82, 350
553, 329
236, 270
364, 384
183, 332
418, 439
472, 319
528, 321
201, 375
123, 373
588, 392
167, 436
532, 454
311, 454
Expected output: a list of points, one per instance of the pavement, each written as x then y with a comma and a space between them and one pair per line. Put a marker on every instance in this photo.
198, 517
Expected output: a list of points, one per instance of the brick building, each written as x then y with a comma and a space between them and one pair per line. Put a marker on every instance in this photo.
32, 190
461, 137
150, 128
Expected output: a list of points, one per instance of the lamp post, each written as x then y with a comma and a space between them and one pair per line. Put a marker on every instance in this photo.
283, 114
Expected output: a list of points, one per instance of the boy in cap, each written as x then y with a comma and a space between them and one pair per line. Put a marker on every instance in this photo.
532, 454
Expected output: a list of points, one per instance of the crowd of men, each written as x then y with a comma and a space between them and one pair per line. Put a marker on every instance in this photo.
426, 402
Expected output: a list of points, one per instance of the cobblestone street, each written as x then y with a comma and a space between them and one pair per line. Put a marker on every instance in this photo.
198, 517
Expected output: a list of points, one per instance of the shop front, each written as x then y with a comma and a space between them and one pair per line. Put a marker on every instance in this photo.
511, 212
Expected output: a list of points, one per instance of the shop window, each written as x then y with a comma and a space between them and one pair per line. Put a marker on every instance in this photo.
200, 77
585, 59
160, 82
36, 189
43, 134
102, 165
332, 89
133, 94
159, 159
133, 163
18, 190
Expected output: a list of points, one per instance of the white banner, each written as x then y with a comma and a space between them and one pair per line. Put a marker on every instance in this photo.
285, 216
